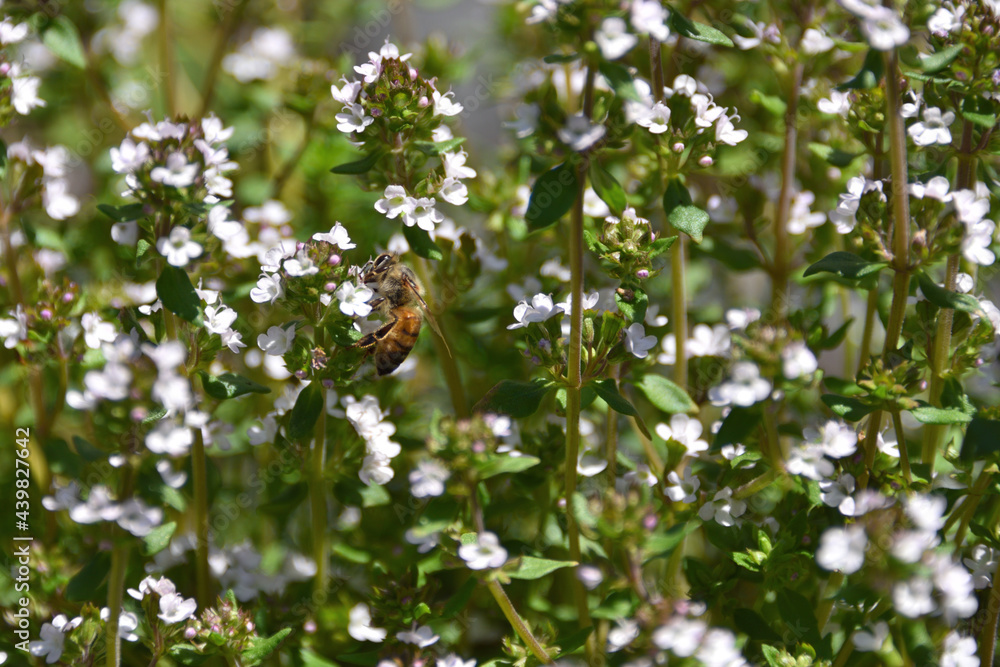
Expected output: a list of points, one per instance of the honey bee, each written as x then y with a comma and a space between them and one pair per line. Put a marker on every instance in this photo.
397, 295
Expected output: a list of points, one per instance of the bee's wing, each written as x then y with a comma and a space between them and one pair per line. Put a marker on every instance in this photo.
430, 318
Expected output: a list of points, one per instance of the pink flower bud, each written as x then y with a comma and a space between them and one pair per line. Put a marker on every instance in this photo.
309, 627
678, 147
190, 633
642, 273
705, 160
45, 314
334, 260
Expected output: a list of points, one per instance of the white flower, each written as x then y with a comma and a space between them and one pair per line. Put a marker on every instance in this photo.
800, 218
178, 172
797, 360
936, 188
174, 608
422, 540
12, 33
484, 553
815, 42
96, 330
394, 202
300, 265
422, 636
347, 94
836, 439
686, 431
722, 508
354, 299
868, 642
540, 309
637, 342
649, 17
453, 191
926, 511
744, 388
681, 636
170, 439
589, 465
277, 340
427, 480
657, 120
983, 565
527, 120
912, 598
454, 165
443, 106
946, 20
422, 214
844, 217
129, 156
809, 461
579, 133
219, 320
718, 649
884, 29
268, 289
138, 518
614, 39
933, 129
337, 236
178, 247
837, 493
726, 132
976, 242
353, 119
838, 104
174, 480
127, 622
50, 646
683, 490
454, 660
709, 341
623, 634
959, 651
24, 92
842, 549
360, 626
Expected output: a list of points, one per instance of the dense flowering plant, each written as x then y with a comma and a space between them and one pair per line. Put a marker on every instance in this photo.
708, 371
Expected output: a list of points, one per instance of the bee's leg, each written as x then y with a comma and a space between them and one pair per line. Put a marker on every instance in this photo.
377, 335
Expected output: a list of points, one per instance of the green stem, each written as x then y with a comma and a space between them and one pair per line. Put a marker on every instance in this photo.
988, 634
317, 500
871, 307
167, 61
780, 267
199, 479
825, 607
756, 484
934, 436
904, 454
844, 653
443, 348
221, 46
973, 503
871, 447
516, 622
611, 437
116, 588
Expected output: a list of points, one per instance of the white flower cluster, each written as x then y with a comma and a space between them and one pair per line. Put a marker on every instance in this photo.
881, 26
23, 87
262, 56
55, 161
655, 116
369, 420
174, 607
132, 515
686, 637
833, 440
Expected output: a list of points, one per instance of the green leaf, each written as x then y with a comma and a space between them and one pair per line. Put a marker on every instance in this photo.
834, 156
536, 568
799, 615
177, 294
738, 424
608, 391
364, 658
754, 626
125, 213
311, 659
573, 641
675, 195
422, 244
870, 74
943, 298
633, 308
850, 409
560, 58
437, 147
620, 79
928, 414
935, 62
86, 583
607, 188
689, 219
62, 38
661, 245
551, 197
698, 31
142, 248
457, 601
984, 120
230, 385
305, 412
772, 103
517, 399
666, 395
158, 539
982, 439
504, 464
361, 166
846, 265
260, 648
662, 546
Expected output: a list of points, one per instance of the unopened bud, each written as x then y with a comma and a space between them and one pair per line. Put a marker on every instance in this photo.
45, 314
678, 147
334, 260
706, 161
642, 273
